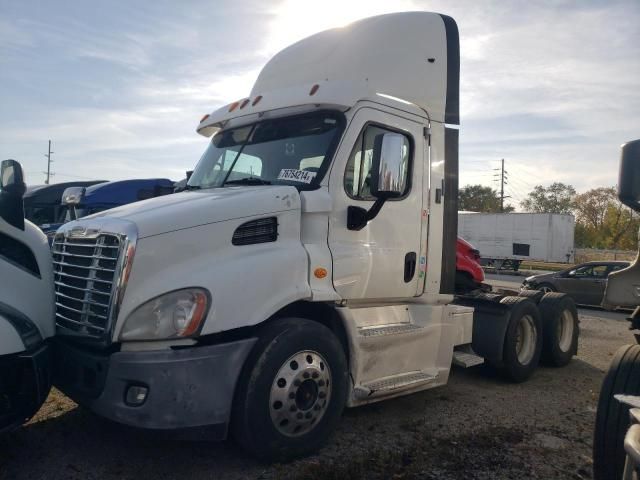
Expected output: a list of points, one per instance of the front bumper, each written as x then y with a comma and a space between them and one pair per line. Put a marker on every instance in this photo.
186, 388
25, 381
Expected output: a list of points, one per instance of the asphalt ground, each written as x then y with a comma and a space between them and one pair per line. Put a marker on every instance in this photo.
478, 426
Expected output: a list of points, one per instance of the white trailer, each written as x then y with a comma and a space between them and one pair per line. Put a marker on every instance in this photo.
310, 262
506, 239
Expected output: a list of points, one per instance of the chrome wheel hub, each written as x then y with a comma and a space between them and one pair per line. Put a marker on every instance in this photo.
526, 339
565, 331
300, 393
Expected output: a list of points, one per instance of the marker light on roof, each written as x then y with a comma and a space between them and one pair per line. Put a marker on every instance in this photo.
233, 106
244, 103
204, 118
256, 100
314, 89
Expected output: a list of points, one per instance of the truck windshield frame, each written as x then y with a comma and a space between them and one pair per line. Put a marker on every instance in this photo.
295, 150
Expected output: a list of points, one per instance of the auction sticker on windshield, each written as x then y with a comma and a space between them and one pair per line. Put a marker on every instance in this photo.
295, 175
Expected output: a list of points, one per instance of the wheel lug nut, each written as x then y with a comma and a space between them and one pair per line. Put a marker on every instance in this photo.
322, 394
317, 407
308, 415
321, 383
292, 395
293, 408
315, 375
296, 383
306, 375
300, 415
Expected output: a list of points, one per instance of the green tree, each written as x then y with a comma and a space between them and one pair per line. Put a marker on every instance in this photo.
556, 198
478, 198
602, 221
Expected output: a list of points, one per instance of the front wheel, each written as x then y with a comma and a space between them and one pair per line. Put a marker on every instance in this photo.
546, 288
292, 392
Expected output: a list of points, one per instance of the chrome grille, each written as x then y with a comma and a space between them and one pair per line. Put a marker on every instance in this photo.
85, 271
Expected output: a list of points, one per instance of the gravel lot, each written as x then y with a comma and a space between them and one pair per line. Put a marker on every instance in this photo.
476, 427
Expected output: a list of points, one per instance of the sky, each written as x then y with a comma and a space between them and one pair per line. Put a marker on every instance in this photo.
119, 86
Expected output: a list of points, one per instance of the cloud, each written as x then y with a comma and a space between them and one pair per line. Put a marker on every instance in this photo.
550, 87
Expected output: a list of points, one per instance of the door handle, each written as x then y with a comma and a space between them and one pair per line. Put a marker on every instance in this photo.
409, 266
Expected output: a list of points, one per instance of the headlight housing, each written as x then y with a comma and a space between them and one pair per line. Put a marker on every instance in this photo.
177, 314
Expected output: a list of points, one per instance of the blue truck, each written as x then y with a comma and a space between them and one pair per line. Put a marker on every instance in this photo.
79, 201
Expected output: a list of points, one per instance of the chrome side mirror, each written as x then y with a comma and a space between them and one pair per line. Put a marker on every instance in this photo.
389, 169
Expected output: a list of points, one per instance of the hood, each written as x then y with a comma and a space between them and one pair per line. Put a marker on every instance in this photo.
541, 276
200, 207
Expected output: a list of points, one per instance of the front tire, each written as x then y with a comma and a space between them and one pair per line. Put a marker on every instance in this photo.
523, 339
612, 417
292, 391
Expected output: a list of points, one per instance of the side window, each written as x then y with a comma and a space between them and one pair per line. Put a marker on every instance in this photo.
584, 271
357, 176
600, 271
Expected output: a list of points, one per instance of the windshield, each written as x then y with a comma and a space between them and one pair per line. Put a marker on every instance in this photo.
286, 151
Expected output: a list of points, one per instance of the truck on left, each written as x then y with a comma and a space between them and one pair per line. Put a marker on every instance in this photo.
26, 305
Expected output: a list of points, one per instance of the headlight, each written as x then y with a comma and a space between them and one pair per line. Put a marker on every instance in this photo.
176, 314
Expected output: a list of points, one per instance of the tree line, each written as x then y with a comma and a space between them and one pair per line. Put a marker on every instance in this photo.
602, 221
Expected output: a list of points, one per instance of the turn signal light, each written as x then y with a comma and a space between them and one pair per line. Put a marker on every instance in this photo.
320, 272
204, 118
233, 106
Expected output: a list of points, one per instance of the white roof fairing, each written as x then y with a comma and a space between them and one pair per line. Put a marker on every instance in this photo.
413, 56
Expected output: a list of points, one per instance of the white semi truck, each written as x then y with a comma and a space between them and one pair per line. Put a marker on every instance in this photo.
26, 305
310, 263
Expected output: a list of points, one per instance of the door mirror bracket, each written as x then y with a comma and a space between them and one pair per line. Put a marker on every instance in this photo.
358, 217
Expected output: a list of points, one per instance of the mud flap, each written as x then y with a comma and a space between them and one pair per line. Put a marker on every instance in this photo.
490, 321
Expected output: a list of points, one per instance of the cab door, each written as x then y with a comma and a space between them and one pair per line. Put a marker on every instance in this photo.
382, 259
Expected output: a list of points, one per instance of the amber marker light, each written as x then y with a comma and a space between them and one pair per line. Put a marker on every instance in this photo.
256, 100
244, 103
233, 106
320, 272
204, 117
314, 89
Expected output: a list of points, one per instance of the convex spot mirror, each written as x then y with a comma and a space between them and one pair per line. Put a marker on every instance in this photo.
12, 188
389, 165
629, 176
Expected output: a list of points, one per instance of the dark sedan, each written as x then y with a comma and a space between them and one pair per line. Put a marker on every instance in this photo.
585, 283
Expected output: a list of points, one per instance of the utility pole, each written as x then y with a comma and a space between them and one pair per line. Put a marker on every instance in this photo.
48, 155
503, 182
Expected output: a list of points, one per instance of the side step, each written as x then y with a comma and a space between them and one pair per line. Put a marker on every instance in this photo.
396, 329
466, 359
403, 381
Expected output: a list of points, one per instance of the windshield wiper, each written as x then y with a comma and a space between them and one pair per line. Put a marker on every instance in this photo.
248, 181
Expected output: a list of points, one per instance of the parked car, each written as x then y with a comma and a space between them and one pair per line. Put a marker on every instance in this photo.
585, 282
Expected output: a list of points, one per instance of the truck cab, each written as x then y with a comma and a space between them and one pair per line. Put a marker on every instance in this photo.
308, 265
26, 305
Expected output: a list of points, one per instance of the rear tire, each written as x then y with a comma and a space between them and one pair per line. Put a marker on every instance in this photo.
560, 329
523, 339
612, 417
292, 390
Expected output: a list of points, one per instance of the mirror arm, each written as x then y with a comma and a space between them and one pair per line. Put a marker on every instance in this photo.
358, 217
